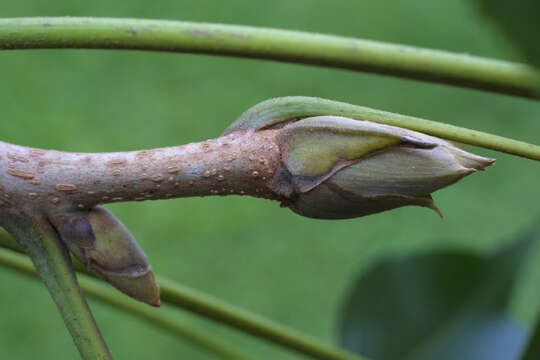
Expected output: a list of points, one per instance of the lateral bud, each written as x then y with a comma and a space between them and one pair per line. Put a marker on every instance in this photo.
105, 246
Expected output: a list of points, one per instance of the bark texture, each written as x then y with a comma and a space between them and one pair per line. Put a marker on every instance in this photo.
49, 181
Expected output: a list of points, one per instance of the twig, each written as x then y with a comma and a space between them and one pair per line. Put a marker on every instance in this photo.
275, 110
281, 45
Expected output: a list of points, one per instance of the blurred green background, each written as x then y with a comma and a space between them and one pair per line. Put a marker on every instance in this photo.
248, 251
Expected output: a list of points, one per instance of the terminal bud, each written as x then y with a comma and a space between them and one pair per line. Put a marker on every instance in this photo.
336, 168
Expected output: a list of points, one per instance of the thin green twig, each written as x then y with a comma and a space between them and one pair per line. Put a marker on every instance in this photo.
217, 310
263, 328
281, 45
273, 111
104, 293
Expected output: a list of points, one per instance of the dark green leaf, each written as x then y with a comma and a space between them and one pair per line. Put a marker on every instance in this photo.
519, 20
533, 348
446, 305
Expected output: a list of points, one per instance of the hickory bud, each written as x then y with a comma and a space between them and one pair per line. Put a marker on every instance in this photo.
104, 245
335, 167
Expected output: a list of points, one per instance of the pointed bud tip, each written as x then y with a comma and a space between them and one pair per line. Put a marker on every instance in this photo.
142, 287
471, 161
488, 162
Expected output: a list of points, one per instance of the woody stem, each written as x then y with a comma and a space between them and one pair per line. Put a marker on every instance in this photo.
241, 163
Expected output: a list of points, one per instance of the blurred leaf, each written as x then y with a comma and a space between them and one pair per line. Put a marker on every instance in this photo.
518, 19
533, 348
446, 305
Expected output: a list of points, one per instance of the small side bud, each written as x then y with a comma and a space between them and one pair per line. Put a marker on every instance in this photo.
104, 245
336, 168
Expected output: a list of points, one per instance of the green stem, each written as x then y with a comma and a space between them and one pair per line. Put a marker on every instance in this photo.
281, 45
214, 309
231, 315
53, 264
104, 293
276, 110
